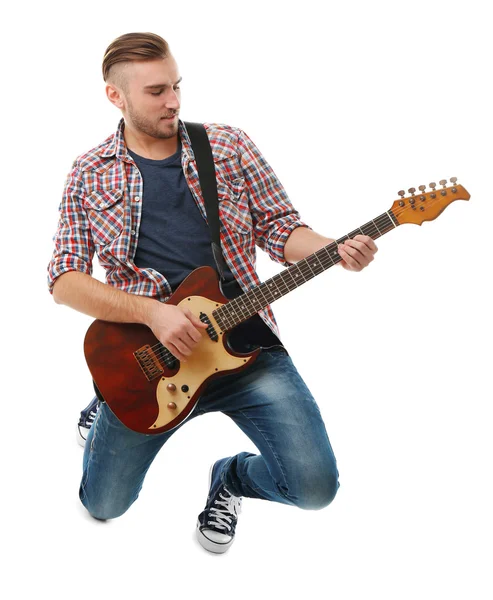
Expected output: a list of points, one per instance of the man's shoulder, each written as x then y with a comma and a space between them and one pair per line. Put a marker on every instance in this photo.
94, 158
223, 138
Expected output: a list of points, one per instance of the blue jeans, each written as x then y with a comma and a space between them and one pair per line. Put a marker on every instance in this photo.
269, 401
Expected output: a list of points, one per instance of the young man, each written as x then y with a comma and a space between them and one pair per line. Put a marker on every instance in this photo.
135, 199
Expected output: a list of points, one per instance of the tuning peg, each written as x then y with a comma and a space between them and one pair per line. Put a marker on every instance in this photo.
433, 185
443, 182
402, 193
453, 180
411, 190
422, 188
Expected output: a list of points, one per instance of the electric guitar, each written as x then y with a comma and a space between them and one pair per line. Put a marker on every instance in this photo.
150, 391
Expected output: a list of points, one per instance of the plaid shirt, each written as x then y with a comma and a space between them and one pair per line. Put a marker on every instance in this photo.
102, 205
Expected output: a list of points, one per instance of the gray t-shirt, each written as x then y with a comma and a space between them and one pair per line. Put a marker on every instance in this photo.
175, 239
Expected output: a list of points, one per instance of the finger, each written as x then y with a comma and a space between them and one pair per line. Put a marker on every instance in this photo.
353, 250
351, 263
192, 335
359, 251
182, 347
367, 240
175, 352
358, 245
194, 319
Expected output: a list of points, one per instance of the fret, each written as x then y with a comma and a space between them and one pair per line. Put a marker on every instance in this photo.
263, 287
273, 289
315, 264
259, 297
343, 239
332, 251
243, 307
379, 232
370, 229
294, 279
297, 274
395, 222
248, 303
354, 233
281, 283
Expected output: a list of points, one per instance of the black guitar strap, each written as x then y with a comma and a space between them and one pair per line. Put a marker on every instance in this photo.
207, 179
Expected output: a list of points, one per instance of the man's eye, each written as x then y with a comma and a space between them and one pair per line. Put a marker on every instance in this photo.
177, 87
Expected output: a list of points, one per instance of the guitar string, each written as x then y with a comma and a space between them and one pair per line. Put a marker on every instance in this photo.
165, 353
161, 352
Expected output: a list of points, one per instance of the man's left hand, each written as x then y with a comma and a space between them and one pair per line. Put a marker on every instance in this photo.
357, 253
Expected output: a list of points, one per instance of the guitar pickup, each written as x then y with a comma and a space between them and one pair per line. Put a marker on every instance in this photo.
211, 332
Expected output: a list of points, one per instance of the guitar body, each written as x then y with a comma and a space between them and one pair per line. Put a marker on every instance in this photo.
146, 395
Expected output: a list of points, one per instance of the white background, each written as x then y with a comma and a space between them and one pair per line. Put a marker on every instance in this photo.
349, 102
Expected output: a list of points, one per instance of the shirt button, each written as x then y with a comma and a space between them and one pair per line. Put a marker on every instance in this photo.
133, 232
137, 198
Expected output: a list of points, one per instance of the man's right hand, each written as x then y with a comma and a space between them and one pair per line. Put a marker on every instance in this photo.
179, 330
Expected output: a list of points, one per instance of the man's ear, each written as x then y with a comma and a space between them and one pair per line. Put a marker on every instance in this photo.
114, 95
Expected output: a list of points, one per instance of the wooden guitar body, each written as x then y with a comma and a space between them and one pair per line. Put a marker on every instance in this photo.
146, 389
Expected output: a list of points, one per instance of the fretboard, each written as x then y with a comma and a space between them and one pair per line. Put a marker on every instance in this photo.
243, 307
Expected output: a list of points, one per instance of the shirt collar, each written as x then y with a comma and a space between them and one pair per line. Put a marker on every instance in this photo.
118, 148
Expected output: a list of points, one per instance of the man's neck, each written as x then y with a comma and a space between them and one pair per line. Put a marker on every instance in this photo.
149, 147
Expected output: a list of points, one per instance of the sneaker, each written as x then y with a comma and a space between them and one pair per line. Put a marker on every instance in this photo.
86, 419
216, 524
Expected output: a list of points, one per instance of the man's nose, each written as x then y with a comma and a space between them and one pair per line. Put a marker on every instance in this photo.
172, 99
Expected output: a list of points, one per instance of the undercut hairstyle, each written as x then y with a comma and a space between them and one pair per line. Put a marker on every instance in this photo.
127, 48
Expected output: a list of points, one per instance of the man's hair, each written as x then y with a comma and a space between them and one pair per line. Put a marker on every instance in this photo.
131, 47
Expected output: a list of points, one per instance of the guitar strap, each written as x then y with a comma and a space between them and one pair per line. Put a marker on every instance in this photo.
207, 179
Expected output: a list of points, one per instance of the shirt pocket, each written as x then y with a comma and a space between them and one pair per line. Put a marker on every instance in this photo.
105, 213
234, 210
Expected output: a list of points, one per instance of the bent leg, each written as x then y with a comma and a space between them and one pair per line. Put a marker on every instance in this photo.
271, 403
115, 463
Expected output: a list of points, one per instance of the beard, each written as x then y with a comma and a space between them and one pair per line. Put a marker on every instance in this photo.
154, 128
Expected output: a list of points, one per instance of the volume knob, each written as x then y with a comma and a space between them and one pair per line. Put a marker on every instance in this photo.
171, 387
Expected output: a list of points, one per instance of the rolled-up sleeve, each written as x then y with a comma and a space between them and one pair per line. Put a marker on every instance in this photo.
274, 217
74, 248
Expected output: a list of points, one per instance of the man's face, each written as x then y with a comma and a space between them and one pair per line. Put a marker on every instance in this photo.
152, 101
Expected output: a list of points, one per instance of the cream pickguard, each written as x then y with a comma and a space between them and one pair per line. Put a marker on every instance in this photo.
208, 357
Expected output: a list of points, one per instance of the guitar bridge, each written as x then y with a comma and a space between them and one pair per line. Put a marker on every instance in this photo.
148, 362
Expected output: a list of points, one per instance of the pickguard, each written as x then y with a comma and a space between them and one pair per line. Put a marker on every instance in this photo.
208, 358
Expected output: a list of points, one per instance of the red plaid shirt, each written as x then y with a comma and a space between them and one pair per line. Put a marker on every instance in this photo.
102, 204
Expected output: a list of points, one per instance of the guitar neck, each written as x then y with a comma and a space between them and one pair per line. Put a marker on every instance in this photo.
243, 307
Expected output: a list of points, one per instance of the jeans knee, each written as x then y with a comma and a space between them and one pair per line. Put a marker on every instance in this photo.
319, 492
104, 510
105, 513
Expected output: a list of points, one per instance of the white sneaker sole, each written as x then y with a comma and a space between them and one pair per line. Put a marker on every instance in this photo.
211, 546
81, 440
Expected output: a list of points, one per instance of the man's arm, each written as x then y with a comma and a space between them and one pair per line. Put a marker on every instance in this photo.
100, 300
279, 229
356, 253
274, 217
71, 283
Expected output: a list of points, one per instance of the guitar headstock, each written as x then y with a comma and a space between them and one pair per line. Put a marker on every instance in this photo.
426, 206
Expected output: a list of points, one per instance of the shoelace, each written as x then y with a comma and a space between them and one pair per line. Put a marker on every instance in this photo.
222, 517
91, 416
